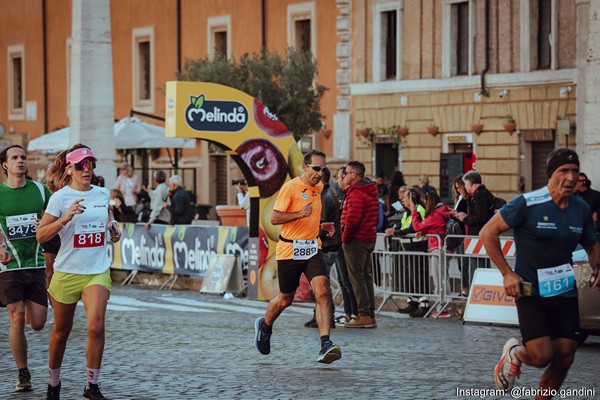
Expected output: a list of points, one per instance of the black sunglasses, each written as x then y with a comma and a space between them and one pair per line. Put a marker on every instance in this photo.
317, 168
85, 163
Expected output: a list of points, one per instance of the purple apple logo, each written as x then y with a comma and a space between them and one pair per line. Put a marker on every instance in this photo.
267, 164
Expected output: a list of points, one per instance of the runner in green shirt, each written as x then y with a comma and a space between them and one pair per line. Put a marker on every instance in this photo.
22, 269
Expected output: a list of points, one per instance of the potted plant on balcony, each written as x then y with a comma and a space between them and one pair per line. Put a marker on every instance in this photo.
510, 125
433, 130
477, 129
402, 131
365, 135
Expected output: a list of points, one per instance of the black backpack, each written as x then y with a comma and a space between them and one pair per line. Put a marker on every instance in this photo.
453, 228
497, 203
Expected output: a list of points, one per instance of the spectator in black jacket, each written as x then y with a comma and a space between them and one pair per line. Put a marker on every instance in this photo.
180, 202
590, 196
480, 210
480, 204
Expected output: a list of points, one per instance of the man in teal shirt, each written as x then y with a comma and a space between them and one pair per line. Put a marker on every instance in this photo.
22, 268
548, 224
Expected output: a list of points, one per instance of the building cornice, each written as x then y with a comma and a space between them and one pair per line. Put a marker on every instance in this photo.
466, 82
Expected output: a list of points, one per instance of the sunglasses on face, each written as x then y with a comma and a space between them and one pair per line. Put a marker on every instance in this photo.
80, 166
317, 168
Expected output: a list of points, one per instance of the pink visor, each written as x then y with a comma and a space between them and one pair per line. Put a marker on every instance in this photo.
80, 154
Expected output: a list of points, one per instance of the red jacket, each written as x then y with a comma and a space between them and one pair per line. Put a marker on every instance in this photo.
433, 224
360, 214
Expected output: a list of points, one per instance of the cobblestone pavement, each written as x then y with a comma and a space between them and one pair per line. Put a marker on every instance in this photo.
183, 345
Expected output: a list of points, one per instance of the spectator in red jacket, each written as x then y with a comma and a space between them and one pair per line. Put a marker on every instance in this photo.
434, 224
360, 216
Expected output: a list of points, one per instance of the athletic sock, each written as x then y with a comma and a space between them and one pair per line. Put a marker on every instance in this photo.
54, 377
92, 375
324, 339
264, 327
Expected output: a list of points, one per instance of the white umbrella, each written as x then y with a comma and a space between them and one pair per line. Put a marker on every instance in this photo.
52, 142
130, 133
134, 133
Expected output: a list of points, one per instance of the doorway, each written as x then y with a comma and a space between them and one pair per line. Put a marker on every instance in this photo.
386, 159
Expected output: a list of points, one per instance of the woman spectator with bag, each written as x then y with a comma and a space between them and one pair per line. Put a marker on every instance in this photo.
461, 206
434, 224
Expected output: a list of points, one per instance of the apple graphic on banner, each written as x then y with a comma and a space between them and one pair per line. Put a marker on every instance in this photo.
267, 278
268, 121
267, 164
295, 160
272, 231
303, 291
263, 246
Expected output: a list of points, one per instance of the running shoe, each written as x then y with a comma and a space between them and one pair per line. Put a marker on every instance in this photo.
92, 392
329, 353
53, 392
24, 381
508, 368
262, 339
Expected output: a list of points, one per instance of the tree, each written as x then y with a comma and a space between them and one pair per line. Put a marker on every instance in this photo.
287, 86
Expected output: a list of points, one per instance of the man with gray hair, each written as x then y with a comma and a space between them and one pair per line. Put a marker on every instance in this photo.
180, 202
158, 201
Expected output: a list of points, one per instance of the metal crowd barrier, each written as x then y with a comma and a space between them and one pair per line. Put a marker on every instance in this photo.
403, 267
463, 261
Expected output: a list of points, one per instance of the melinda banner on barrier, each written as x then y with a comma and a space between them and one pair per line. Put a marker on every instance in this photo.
180, 249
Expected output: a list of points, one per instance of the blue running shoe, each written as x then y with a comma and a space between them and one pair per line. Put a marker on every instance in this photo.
262, 339
329, 353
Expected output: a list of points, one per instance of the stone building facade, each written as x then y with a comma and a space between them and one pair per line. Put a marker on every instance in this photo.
451, 74
150, 43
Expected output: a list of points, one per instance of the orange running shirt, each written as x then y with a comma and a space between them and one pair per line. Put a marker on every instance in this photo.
294, 195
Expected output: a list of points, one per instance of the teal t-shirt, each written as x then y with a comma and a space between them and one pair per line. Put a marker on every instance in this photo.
19, 209
546, 235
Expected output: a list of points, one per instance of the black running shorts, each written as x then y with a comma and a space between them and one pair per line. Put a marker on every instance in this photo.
289, 271
23, 284
555, 317
52, 246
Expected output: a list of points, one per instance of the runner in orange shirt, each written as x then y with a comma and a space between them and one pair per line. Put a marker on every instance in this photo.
298, 210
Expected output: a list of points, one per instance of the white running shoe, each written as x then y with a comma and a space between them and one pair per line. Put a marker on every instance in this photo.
508, 368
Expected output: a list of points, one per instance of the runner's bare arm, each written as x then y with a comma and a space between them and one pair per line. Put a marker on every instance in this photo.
280, 217
115, 232
51, 225
490, 237
5, 256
